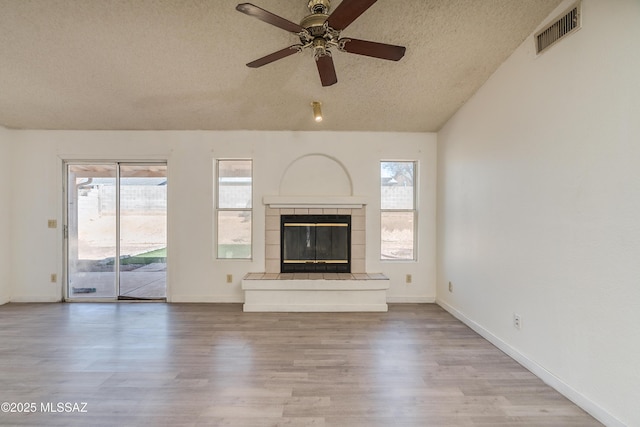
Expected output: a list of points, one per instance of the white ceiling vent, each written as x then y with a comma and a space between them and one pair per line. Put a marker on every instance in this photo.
566, 24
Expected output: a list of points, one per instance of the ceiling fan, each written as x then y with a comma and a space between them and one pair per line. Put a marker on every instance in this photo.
320, 31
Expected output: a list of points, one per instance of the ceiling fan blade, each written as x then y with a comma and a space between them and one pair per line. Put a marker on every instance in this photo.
283, 53
347, 12
269, 18
373, 49
327, 70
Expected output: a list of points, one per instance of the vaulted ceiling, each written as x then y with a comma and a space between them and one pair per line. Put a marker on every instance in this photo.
180, 64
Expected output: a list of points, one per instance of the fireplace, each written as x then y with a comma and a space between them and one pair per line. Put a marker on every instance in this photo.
315, 208
315, 243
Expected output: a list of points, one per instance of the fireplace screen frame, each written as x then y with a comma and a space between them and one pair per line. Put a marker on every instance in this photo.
300, 234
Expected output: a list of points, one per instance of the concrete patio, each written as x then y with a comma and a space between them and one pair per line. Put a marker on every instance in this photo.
146, 282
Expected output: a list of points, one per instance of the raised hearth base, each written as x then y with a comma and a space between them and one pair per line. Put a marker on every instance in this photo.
319, 292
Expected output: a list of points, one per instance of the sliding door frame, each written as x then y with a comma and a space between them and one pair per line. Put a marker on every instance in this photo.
66, 163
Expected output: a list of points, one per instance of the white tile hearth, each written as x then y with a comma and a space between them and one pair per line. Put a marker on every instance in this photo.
315, 292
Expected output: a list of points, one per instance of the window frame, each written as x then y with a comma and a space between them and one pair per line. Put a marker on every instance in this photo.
413, 210
219, 209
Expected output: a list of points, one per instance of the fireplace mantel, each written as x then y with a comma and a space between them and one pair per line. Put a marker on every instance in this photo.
284, 202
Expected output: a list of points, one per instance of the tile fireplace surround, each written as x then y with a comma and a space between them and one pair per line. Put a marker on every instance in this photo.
356, 291
272, 237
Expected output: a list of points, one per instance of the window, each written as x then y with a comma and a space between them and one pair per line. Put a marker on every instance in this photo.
234, 209
398, 211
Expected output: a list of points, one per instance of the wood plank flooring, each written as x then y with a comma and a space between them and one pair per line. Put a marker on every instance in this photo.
211, 364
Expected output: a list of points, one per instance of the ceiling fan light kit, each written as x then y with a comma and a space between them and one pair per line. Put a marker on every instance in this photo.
320, 31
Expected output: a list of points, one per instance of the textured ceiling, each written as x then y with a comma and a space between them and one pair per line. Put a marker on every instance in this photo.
170, 64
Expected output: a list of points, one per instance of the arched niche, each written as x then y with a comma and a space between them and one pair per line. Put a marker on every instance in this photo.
315, 175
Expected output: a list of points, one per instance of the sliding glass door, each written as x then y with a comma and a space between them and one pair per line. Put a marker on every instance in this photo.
116, 230
91, 230
143, 231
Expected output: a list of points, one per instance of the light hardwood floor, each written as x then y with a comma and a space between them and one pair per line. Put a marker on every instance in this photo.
211, 364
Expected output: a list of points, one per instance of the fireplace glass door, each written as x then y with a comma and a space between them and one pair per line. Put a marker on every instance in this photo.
315, 243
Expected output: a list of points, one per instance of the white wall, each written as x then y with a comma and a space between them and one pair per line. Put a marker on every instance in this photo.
5, 216
539, 211
194, 274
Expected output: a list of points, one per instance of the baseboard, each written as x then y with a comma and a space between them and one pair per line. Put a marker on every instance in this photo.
410, 300
549, 378
35, 298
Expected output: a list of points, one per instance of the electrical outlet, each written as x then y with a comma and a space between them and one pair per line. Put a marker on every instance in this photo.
450, 287
408, 278
52, 223
229, 278
517, 321
54, 278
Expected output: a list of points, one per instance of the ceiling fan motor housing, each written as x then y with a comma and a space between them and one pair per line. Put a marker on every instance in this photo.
314, 23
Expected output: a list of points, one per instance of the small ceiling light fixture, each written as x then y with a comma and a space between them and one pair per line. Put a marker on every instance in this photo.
317, 111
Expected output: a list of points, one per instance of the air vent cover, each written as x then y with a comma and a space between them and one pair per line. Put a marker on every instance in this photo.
564, 25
